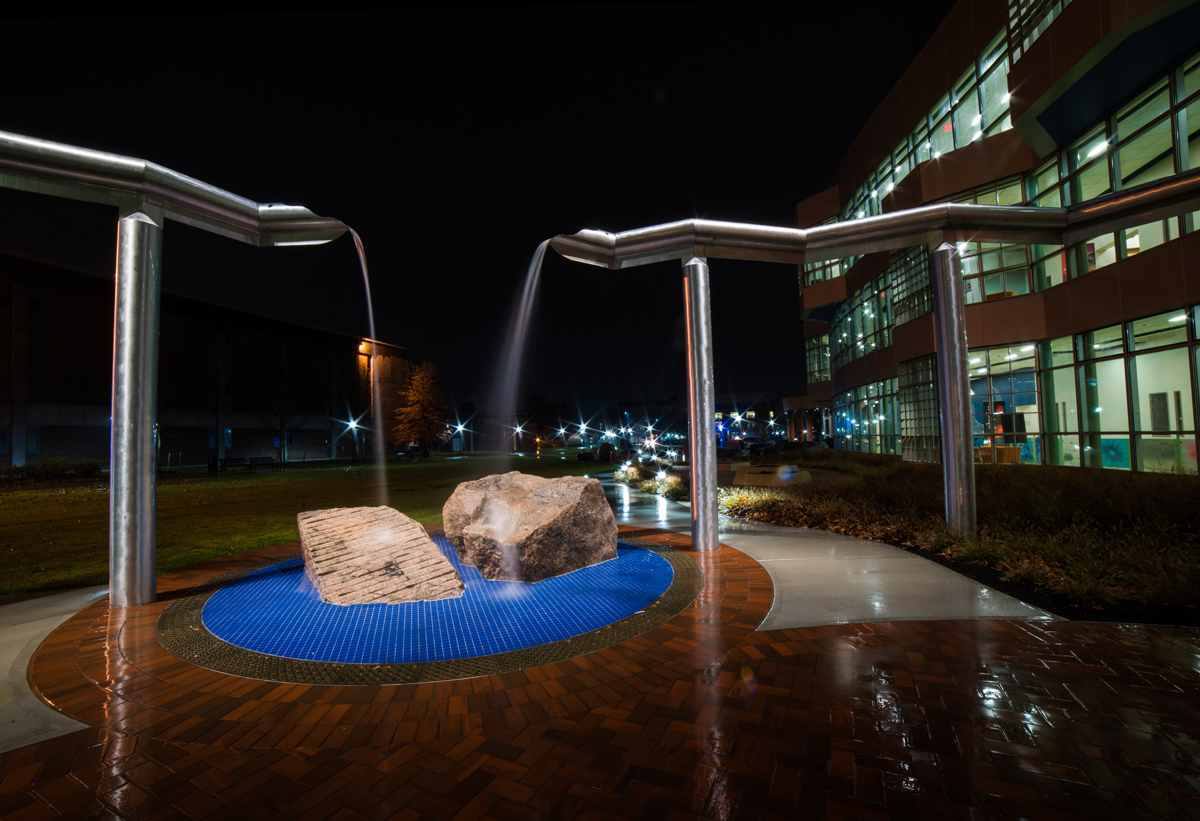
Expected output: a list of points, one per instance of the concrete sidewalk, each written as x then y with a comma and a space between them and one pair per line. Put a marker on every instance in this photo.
24, 719
825, 578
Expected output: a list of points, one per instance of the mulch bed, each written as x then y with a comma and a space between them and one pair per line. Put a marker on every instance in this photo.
1127, 612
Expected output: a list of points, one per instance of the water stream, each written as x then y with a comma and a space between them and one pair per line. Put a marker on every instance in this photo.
380, 424
508, 373
505, 391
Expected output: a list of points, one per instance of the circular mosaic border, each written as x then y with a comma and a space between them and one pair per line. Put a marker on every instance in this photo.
181, 631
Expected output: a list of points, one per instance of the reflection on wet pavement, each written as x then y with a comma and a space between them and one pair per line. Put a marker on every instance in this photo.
704, 717
826, 578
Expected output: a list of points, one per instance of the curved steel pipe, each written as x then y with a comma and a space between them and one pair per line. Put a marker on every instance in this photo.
927, 225
930, 225
145, 194
131, 184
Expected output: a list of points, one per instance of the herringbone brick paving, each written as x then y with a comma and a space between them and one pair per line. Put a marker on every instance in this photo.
700, 718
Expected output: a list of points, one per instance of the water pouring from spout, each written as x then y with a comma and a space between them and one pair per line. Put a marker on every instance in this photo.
509, 372
377, 404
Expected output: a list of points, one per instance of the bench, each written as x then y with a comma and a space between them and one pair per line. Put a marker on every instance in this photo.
240, 462
249, 463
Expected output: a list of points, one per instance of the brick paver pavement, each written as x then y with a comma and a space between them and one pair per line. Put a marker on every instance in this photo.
701, 717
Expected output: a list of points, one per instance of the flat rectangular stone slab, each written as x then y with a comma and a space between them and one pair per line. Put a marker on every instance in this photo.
726, 466
771, 477
373, 555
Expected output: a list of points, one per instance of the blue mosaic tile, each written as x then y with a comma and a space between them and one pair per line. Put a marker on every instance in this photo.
277, 611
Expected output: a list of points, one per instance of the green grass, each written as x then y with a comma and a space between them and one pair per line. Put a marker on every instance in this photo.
1099, 537
57, 538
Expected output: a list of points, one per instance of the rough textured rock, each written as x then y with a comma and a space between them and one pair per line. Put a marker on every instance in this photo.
514, 526
373, 555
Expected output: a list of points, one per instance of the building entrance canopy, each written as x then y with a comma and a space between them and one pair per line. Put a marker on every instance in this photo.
939, 227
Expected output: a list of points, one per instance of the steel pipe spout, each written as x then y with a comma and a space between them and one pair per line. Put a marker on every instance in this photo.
937, 226
146, 194
131, 184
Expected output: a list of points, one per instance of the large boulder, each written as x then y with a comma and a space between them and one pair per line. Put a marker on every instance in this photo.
373, 555
526, 528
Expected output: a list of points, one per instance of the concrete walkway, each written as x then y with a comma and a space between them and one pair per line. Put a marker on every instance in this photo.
24, 719
825, 578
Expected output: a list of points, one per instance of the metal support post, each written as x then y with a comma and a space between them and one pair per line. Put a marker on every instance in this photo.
134, 410
702, 406
958, 464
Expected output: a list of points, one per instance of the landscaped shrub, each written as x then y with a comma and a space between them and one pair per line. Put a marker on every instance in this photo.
672, 485
48, 470
90, 468
1098, 537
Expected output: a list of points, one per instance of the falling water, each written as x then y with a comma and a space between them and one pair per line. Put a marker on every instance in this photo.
377, 406
508, 374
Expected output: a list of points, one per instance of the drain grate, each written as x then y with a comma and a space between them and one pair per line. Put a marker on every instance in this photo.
181, 631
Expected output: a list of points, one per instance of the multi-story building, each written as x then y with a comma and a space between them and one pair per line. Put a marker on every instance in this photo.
1084, 355
231, 383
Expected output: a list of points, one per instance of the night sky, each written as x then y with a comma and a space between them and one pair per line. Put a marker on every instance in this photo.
455, 141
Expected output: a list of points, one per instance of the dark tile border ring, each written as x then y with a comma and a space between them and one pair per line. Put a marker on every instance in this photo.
181, 631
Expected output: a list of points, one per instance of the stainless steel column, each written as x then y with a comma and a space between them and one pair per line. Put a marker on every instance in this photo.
702, 406
134, 409
954, 392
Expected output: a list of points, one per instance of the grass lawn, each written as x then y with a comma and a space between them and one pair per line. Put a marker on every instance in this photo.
55, 538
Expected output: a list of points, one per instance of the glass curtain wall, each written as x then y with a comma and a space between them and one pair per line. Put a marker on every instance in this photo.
861, 324
920, 431
816, 349
1123, 397
912, 292
976, 106
866, 418
1028, 19
1155, 135
812, 272
994, 270
1005, 420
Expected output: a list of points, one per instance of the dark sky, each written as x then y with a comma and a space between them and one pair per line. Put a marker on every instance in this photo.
454, 141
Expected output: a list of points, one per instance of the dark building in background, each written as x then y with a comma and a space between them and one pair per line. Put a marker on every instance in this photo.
1083, 355
231, 383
